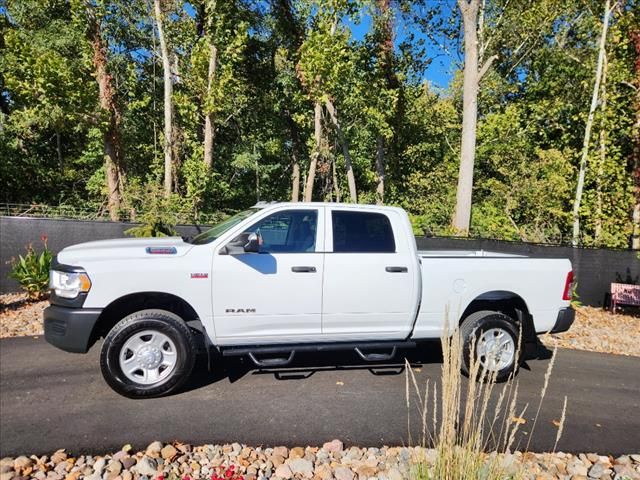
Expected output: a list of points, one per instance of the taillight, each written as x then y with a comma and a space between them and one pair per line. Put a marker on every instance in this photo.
568, 286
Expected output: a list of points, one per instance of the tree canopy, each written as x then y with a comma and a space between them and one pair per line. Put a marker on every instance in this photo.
330, 100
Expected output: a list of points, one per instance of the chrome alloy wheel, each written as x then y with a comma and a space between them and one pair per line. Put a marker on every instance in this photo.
496, 349
148, 357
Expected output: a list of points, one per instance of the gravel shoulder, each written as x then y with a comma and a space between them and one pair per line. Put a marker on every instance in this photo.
595, 329
329, 462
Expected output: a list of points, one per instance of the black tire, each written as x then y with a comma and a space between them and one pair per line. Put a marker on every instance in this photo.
164, 322
474, 326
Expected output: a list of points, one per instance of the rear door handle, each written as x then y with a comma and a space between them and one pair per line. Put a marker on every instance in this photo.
397, 269
303, 269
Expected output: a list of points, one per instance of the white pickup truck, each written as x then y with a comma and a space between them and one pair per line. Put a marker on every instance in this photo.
282, 278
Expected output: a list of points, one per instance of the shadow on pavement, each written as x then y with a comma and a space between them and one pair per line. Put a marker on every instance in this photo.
306, 364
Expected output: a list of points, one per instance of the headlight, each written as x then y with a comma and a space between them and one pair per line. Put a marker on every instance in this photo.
69, 284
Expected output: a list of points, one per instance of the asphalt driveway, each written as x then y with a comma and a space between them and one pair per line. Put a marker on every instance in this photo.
50, 399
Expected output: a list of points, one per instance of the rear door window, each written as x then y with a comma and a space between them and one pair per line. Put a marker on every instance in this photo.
362, 232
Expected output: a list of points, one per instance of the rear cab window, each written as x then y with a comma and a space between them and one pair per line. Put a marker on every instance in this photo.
361, 232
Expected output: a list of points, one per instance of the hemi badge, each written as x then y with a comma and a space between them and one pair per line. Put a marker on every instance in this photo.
162, 250
199, 275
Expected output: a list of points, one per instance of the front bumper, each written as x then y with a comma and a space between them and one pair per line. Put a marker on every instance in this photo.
70, 329
565, 319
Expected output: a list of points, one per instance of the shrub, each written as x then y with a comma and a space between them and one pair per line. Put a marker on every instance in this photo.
465, 429
32, 270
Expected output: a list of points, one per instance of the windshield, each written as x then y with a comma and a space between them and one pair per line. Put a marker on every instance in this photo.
213, 233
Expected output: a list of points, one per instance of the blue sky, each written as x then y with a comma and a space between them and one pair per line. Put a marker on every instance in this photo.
440, 70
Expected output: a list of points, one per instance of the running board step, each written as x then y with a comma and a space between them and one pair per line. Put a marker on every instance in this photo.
376, 357
287, 352
272, 362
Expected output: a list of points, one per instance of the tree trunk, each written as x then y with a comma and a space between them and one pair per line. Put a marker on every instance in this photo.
380, 170
473, 73
168, 101
209, 129
59, 151
386, 63
589, 125
351, 180
113, 157
313, 162
295, 179
462, 216
603, 157
635, 138
295, 160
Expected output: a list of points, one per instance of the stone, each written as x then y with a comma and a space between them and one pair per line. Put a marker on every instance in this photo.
127, 475
168, 452
154, 449
297, 452
59, 456
577, 468
98, 466
333, 446
7, 475
22, 463
115, 467
283, 471
128, 462
394, 474
343, 473
323, 472
119, 455
146, 466
366, 471
301, 466
596, 471
281, 451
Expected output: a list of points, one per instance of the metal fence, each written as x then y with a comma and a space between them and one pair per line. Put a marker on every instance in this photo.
595, 269
98, 213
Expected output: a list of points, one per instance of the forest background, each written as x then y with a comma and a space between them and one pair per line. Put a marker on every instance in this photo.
508, 119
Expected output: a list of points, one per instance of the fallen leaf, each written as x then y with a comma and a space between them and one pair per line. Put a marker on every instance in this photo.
339, 383
518, 420
556, 423
418, 369
127, 447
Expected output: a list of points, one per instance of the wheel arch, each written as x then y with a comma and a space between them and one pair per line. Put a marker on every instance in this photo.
506, 302
134, 302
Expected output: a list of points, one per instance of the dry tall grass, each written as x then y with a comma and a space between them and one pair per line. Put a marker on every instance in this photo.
466, 430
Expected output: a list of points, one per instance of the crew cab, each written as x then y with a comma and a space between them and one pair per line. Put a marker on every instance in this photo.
282, 278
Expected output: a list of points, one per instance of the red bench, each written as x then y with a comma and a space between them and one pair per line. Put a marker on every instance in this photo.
624, 294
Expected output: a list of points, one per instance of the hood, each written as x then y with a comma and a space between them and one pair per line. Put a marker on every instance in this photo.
124, 248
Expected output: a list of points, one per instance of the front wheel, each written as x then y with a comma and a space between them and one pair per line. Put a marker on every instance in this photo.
494, 338
148, 354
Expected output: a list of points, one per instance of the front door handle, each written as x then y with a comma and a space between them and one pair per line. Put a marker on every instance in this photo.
303, 269
397, 269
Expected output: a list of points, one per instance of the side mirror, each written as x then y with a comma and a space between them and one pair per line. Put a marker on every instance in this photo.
247, 242
254, 241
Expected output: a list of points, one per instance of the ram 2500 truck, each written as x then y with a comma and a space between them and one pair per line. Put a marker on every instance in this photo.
282, 278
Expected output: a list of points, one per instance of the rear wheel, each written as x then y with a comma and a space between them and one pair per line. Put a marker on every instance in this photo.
493, 337
148, 354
